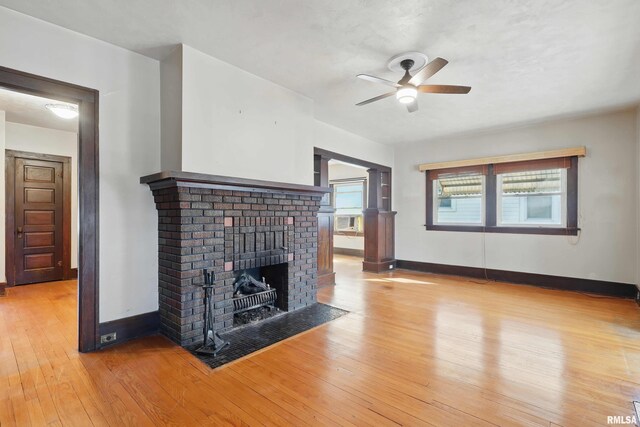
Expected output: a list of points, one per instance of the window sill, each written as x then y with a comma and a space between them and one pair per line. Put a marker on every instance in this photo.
511, 230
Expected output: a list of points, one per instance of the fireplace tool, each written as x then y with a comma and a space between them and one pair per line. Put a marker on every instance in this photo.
212, 343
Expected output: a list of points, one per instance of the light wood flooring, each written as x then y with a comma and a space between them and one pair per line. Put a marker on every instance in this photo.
416, 349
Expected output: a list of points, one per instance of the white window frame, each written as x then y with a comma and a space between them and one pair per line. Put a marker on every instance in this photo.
363, 183
435, 204
537, 223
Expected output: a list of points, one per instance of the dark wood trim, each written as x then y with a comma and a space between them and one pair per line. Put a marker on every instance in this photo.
354, 161
491, 198
74, 273
490, 209
10, 158
170, 178
131, 327
429, 200
379, 267
349, 252
88, 189
374, 198
506, 230
327, 279
623, 290
479, 169
379, 220
572, 194
10, 213
326, 224
3, 287
66, 222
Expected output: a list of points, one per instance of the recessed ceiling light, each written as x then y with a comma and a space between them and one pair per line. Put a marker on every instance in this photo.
64, 111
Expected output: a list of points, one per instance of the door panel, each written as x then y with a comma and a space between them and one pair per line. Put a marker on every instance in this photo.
39, 261
38, 240
39, 195
38, 220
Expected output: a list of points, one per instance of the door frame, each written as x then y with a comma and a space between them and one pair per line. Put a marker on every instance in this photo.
88, 186
10, 205
375, 205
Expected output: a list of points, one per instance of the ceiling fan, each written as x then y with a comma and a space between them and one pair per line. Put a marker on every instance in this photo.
408, 86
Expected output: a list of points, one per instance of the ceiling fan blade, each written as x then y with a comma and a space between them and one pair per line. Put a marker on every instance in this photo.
377, 80
443, 89
412, 107
377, 98
427, 71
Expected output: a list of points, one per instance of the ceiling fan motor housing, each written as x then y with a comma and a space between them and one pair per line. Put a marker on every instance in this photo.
407, 64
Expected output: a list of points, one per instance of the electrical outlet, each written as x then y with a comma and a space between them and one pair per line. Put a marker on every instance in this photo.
108, 338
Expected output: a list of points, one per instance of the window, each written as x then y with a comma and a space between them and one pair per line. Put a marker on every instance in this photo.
460, 199
538, 196
349, 200
532, 198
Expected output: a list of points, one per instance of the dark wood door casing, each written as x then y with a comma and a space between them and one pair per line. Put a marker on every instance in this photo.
326, 275
87, 100
379, 219
38, 217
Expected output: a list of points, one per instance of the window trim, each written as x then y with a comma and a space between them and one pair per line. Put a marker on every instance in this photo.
491, 205
483, 208
563, 206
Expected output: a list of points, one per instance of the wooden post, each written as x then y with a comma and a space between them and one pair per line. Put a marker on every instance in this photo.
326, 275
379, 224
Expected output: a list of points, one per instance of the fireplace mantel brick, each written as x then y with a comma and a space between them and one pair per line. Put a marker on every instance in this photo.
191, 237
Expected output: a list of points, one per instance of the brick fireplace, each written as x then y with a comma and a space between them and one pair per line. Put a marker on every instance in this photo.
229, 225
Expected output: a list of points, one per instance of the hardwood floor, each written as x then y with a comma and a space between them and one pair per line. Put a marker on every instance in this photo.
416, 349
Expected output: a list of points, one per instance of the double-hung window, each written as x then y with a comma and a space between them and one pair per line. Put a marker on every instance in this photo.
349, 200
534, 196
459, 196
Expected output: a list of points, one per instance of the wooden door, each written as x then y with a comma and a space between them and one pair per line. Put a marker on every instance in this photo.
37, 220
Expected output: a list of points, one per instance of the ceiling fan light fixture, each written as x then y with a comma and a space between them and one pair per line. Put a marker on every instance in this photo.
407, 94
63, 111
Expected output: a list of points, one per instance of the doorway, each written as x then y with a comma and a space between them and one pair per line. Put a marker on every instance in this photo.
40, 256
378, 218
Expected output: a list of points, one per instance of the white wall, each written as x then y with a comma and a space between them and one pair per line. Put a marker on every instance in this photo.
237, 124
340, 141
607, 197
129, 133
36, 139
171, 110
345, 171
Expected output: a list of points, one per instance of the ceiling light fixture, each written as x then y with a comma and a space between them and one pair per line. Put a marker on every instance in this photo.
407, 88
407, 94
63, 111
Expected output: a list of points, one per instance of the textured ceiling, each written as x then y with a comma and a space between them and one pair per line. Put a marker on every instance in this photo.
30, 110
526, 60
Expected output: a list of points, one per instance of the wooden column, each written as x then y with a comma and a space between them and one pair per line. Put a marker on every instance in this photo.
379, 224
326, 275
